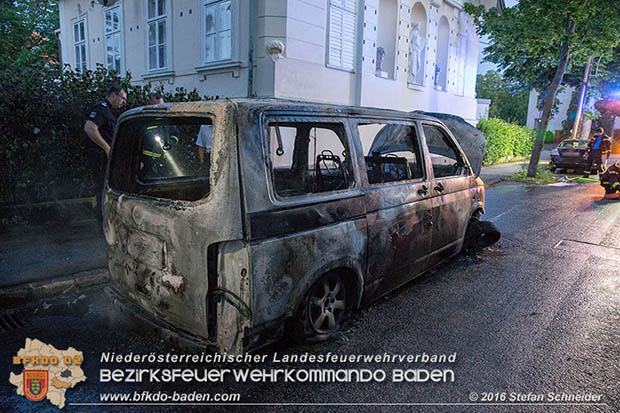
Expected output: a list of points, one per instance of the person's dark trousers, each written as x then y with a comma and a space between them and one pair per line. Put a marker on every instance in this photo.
98, 162
595, 157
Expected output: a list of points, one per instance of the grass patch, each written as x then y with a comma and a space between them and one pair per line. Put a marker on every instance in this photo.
543, 177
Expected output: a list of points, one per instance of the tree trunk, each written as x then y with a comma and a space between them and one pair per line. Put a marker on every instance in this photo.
549, 100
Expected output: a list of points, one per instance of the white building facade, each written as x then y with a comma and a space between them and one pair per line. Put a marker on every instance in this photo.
534, 113
399, 54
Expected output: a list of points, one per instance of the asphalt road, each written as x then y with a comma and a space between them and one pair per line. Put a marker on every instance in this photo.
539, 312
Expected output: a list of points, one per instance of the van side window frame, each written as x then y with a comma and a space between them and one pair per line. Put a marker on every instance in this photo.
355, 123
316, 119
467, 170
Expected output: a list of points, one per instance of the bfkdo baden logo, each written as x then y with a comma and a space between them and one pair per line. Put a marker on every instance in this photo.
36, 383
48, 372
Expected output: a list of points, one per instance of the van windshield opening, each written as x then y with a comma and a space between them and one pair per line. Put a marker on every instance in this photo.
163, 157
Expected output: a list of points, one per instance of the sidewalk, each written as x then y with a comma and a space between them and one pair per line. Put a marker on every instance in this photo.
50, 252
49, 242
75, 246
494, 174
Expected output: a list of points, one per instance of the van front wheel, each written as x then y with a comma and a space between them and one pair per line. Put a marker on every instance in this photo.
325, 308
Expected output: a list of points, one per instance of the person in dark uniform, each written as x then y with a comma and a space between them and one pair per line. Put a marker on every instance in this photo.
100, 129
598, 147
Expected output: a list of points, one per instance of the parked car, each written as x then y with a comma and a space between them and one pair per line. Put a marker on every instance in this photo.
298, 214
569, 154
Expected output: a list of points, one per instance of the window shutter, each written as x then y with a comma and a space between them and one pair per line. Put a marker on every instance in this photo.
348, 41
342, 33
335, 36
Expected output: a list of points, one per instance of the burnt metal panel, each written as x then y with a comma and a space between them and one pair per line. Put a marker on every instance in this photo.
284, 268
399, 236
295, 218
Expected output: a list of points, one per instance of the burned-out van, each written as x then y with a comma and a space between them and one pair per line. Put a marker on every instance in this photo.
232, 223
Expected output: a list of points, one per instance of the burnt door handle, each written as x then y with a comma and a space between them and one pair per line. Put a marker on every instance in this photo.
423, 190
439, 187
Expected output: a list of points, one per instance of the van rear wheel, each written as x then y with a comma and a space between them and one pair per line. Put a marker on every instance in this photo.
325, 308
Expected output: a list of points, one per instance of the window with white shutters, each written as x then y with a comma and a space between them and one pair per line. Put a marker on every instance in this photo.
79, 45
112, 21
341, 37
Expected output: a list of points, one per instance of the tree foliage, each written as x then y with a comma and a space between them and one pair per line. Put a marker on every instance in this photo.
27, 36
42, 115
526, 39
534, 42
509, 100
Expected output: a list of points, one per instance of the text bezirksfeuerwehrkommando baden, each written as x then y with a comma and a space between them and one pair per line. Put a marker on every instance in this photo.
325, 368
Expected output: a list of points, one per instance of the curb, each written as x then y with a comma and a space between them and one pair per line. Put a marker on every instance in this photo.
61, 202
490, 184
25, 293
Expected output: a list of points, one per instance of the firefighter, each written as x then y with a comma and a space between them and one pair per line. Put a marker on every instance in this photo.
598, 148
610, 180
158, 141
156, 158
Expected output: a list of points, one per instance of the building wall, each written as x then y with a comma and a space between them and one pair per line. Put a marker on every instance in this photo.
555, 123
399, 93
300, 72
185, 66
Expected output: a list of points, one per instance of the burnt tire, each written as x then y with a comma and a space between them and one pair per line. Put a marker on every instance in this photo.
480, 234
325, 307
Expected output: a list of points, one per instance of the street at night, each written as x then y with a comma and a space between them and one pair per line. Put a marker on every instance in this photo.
310, 206
536, 313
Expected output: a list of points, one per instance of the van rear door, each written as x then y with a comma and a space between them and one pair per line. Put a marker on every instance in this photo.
172, 194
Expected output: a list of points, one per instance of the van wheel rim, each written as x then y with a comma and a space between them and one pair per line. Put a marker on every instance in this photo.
328, 302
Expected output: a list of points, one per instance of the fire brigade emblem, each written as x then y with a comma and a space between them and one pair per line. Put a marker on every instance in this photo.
36, 384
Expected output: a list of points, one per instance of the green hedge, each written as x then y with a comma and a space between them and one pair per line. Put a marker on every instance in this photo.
505, 140
42, 115
549, 137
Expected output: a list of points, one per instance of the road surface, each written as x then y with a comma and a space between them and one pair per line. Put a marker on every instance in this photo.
537, 313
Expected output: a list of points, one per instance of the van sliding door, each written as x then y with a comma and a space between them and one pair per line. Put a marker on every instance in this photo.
398, 203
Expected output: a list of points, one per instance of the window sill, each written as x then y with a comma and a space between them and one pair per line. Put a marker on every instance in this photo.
416, 86
340, 69
158, 74
225, 64
384, 75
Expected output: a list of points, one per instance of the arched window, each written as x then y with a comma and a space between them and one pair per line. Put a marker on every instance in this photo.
416, 55
386, 39
443, 51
